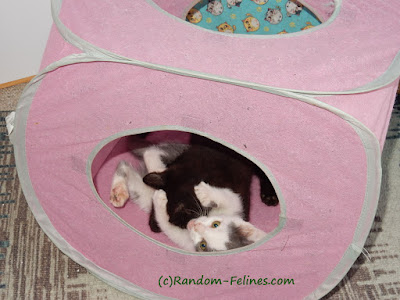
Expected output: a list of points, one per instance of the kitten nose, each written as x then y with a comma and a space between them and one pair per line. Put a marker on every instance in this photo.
190, 225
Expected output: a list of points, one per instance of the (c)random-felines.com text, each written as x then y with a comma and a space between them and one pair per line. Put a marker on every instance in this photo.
170, 281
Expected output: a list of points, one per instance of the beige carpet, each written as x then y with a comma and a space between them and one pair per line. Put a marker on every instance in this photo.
31, 267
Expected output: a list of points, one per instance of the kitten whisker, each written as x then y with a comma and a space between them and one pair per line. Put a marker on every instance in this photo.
193, 211
200, 211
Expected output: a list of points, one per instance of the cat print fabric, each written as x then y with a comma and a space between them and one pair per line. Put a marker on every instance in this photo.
274, 15
252, 16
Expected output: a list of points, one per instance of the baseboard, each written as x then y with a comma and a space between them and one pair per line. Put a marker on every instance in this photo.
15, 82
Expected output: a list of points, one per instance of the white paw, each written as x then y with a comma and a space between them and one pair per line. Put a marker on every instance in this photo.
119, 194
203, 193
160, 199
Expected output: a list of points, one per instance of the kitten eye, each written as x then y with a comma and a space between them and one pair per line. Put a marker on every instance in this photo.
203, 245
188, 212
215, 224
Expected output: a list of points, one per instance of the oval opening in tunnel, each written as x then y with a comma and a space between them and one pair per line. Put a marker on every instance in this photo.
119, 166
255, 17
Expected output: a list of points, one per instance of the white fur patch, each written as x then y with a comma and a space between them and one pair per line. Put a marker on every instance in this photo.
152, 159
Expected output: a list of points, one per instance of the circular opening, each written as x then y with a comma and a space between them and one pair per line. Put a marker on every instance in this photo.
252, 17
261, 17
108, 158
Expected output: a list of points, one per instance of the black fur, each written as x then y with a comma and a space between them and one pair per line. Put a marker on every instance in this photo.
267, 192
217, 166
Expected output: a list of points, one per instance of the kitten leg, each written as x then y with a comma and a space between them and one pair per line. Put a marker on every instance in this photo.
127, 183
119, 191
153, 222
157, 157
267, 191
176, 234
221, 200
152, 160
119, 187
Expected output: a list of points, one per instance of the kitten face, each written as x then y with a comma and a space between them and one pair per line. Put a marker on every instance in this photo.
219, 233
209, 234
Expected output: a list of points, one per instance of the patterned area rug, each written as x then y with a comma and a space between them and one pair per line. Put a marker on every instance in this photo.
31, 267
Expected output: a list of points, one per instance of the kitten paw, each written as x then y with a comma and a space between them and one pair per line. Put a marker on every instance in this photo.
270, 200
267, 193
119, 194
203, 193
160, 199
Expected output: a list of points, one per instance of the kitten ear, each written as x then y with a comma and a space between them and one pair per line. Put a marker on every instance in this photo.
250, 232
246, 229
155, 180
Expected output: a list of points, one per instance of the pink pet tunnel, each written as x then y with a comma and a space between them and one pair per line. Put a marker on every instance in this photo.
310, 108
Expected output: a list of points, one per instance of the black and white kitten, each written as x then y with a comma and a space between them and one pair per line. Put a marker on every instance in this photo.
222, 229
223, 169
181, 171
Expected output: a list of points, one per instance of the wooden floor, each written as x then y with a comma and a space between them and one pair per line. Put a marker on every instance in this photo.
15, 82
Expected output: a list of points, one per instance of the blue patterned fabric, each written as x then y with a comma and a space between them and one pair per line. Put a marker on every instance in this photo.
252, 16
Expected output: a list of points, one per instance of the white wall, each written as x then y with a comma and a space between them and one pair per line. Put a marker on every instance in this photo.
24, 29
